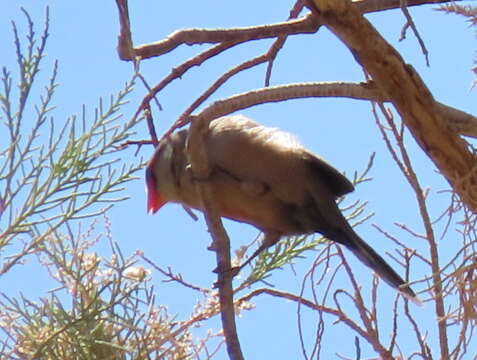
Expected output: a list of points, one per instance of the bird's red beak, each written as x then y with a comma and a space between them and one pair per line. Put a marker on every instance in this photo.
154, 198
154, 202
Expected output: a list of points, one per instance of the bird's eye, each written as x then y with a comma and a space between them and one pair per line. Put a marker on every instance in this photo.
151, 180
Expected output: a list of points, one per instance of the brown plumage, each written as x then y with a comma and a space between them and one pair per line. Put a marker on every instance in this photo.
264, 177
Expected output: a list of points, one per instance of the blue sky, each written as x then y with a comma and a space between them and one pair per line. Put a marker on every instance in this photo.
83, 39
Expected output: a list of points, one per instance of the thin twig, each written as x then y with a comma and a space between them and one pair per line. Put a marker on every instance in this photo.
180, 70
173, 277
150, 125
410, 23
310, 304
408, 172
280, 41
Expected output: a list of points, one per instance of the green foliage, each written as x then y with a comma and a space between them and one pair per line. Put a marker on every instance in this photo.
49, 176
112, 313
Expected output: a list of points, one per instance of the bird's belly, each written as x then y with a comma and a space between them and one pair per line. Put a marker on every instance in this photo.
263, 215
261, 209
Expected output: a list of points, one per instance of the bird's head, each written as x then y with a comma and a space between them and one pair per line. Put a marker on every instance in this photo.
163, 171
154, 198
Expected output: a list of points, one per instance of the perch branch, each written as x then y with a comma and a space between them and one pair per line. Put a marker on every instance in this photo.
221, 243
459, 121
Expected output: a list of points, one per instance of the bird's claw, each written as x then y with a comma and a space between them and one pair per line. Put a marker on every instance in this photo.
232, 272
229, 273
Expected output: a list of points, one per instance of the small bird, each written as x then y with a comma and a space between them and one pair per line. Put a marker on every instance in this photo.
264, 177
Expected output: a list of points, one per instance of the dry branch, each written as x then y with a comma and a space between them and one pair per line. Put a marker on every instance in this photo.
125, 44
221, 243
459, 121
367, 6
407, 169
406, 90
305, 25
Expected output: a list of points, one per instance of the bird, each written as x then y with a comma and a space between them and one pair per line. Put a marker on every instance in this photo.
264, 177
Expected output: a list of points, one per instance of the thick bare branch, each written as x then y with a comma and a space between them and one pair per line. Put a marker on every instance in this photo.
408, 93
304, 25
459, 121
125, 43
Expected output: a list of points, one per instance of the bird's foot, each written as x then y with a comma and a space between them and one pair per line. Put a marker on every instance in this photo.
227, 274
231, 272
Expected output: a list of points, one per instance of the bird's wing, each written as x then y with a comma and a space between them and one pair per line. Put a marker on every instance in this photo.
332, 178
254, 153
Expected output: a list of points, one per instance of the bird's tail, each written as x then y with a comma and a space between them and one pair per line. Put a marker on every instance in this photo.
373, 260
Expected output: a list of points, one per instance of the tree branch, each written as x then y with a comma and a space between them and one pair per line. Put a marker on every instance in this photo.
408, 93
367, 6
303, 25
410, 175
125, 43
310, 304
459, 121
221, 243
307, 24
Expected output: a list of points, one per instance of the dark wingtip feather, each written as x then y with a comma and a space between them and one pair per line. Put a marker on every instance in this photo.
374, 261
336, 182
